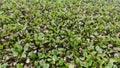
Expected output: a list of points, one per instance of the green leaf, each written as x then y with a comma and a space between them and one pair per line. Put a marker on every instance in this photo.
54, 58
3, 65
19, 48
40, 55
26, 47
71, 65
61, 62
15, 53
36, 63
42, 62
32, 55
46, 66
19, 66
1, 47
110, 64
54, 52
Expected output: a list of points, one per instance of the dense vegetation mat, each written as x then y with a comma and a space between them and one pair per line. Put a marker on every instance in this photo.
59, 33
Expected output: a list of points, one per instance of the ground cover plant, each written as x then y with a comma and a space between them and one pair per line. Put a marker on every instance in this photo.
59, 33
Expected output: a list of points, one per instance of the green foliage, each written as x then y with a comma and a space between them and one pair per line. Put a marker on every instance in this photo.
59, 33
